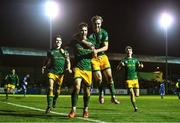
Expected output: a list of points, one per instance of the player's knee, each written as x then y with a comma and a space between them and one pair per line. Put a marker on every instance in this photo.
58, 91
99, 79
137, 95
109, 79
77, 89
131, 90
50, 89
111, 83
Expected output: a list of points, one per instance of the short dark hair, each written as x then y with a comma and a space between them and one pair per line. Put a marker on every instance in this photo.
57, 36
96, 17
83, 24
128, 47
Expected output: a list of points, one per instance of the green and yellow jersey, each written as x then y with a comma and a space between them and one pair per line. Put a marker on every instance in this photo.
57, 61
130, 65
83, 56
12, 79
98, 39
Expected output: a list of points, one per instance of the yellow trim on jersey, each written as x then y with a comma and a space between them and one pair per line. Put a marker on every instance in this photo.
84, 74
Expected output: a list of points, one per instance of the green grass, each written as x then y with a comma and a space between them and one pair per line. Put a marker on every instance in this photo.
151, 109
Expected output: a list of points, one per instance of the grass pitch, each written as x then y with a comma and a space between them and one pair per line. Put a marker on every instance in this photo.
32, 107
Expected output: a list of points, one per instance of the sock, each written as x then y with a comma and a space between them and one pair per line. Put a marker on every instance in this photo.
55, 98
86, 109
49, 97
49, 100
25, 92
6, 93
74, 98
112, 89
86, 98
73, 109
101, 89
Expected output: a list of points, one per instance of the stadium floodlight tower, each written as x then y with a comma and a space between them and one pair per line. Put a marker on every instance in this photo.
165, 22
52, 9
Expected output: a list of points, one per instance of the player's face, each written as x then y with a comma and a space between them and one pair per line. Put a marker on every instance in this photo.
97, 25
13, 71
129, 52
58, 42
84, 31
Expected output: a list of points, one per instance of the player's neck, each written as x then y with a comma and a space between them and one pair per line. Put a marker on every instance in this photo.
129, 56
58, 47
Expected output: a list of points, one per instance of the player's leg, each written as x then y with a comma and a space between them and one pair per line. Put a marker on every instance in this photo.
162, 94
74, 97
49, 95
130, 84
6, 90
59, 80
56, 95
108, 75
135, 85
178, 92
24, 90
136, 92
86, 99
14, 90
133, 100
98, 78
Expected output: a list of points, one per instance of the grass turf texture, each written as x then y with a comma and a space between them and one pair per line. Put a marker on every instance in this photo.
32, 107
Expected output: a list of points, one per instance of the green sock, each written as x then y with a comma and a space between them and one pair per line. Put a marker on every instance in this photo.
55, 98
74, 98
86, 100
112, 89
101, 89
49, 100
6, 92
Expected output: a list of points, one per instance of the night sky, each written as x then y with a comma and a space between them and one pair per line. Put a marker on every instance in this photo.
23, 23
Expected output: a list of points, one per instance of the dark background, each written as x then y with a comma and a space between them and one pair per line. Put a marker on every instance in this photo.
23, 23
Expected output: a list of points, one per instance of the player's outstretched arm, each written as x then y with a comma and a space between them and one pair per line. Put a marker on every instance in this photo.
46, 63
120, 65
68, 68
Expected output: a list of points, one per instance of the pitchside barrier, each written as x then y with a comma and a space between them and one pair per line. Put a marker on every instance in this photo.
68, 91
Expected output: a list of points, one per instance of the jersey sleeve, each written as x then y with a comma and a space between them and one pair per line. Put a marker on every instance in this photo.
105, 37
137, 62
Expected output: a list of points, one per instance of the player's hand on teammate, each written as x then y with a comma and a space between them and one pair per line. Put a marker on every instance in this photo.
88, 44
69, 70
95, 53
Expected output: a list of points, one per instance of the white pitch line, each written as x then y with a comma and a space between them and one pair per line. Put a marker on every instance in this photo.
63, 114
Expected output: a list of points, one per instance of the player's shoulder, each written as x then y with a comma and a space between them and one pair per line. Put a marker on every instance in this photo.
63, 50
103, 30
134, 58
